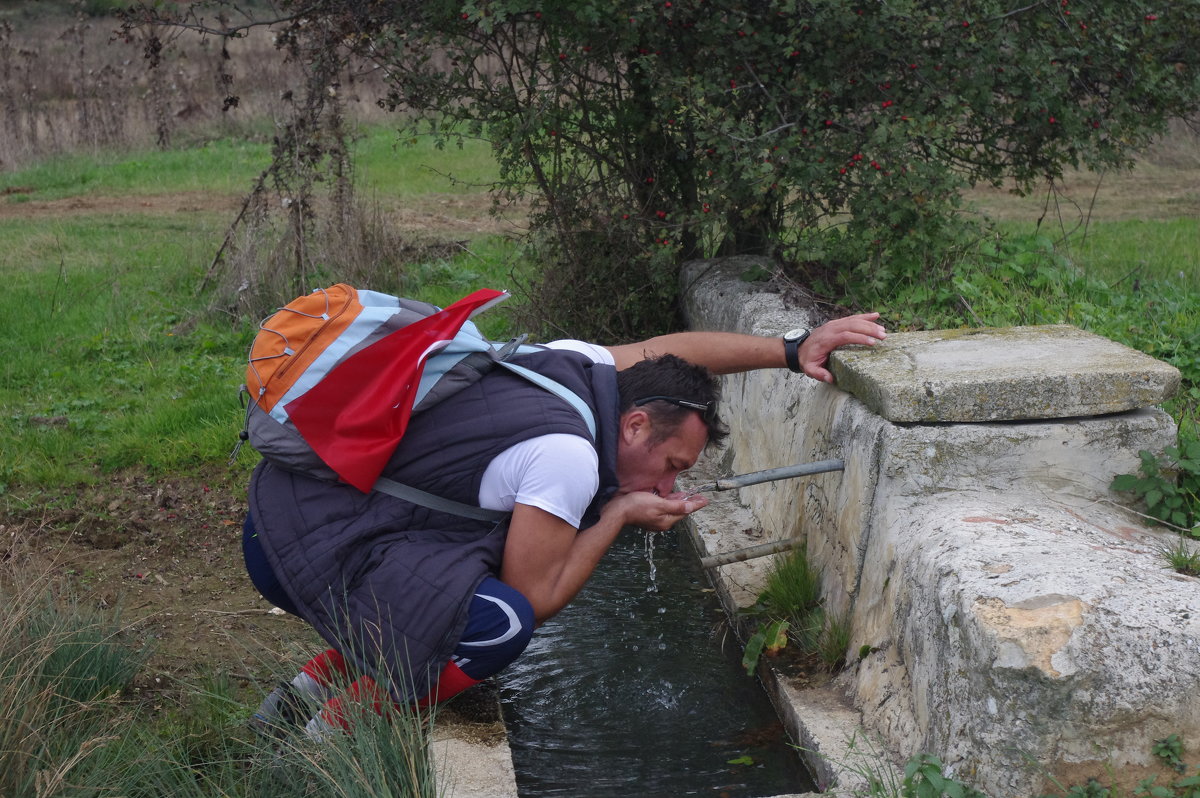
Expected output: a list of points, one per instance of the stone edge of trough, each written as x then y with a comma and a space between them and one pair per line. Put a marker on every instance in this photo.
820, 721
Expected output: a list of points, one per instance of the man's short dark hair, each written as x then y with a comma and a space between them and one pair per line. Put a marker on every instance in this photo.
668, 388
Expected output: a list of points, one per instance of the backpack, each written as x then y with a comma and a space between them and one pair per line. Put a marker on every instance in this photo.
334, 376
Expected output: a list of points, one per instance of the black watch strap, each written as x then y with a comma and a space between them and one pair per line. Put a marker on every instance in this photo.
791, 348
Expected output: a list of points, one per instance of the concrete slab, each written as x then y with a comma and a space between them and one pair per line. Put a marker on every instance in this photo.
1001, 374
469, 747
473, 769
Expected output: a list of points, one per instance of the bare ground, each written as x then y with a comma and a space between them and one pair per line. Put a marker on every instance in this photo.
444, 215
1152, 191
165, 554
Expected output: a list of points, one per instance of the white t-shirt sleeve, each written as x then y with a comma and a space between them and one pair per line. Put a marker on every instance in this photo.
597, 353
558, 473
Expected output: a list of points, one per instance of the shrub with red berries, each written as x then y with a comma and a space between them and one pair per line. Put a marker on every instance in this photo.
686, 129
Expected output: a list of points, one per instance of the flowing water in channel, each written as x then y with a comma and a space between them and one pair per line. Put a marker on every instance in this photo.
629, 691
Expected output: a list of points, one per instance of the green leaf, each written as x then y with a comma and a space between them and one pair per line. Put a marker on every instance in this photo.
754, 648
776, 637
744, 759
1124, 482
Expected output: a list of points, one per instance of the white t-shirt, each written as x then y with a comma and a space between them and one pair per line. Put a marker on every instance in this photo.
558, 473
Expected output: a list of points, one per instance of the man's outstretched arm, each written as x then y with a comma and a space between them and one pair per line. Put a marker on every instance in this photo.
727, 353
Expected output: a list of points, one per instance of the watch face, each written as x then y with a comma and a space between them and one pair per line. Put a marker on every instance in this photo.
792, 335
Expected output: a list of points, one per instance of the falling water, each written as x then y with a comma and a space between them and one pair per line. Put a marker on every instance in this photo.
636, 690
652, 587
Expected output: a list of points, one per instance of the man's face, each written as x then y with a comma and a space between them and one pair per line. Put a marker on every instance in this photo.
646, 465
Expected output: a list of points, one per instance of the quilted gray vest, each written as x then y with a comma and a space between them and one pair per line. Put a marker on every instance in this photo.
388, 583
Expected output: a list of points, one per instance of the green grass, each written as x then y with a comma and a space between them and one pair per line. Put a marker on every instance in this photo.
105, 365
219, 166
389, 166
386, 166
1119, 252
97, 376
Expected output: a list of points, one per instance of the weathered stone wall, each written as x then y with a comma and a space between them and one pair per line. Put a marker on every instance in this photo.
1012, 612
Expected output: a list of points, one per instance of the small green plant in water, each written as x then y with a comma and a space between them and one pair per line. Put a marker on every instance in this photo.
770, 639
790, 606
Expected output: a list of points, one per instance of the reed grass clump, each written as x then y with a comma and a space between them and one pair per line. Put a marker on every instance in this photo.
72, 723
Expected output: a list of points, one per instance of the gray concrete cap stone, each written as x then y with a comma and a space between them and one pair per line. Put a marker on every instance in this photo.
1001, 374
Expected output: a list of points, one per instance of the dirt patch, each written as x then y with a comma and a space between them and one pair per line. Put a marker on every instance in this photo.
467, 214
166, 554
1151, 191
441, 214
22, 205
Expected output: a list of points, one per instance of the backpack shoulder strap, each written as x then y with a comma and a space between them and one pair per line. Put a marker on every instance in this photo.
417, 496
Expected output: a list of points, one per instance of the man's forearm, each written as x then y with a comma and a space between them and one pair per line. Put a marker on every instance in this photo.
719, 352
728, 353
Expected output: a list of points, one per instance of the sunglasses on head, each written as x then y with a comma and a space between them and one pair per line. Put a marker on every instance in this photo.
703, 407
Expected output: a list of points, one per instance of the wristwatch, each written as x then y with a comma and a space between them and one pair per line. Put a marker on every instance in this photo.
791, 346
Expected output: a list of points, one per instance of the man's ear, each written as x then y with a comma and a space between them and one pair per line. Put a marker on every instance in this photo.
634, 425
